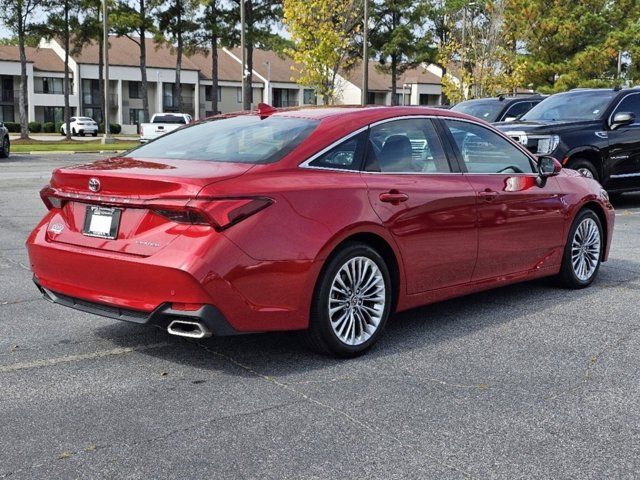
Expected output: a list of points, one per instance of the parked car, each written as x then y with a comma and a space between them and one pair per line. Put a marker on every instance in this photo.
161, 124
80, 126
594, 131
324, 220
498, 109
5, 143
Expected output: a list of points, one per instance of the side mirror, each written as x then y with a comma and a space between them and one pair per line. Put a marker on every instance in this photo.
547, 167
621, 119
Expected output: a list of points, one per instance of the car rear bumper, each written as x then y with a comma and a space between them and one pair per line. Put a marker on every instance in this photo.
161, 317
236, 293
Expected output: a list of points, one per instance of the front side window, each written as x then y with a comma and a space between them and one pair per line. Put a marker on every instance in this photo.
241, 139
517, 109
484, 151
630, 104
405, 146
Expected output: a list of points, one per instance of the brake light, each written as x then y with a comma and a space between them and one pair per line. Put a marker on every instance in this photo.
223, 213
47, 194
220, 213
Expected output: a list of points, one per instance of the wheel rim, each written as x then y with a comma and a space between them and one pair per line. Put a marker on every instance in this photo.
357, 301
585, 249
585, 172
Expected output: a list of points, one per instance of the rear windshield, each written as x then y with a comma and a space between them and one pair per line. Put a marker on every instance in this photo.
487, 110
168, 119
243, 139
85, 119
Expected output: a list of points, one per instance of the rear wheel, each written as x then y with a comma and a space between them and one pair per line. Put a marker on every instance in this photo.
5, 147
73, 131
586, 168
95, 134
351, 302
583, 251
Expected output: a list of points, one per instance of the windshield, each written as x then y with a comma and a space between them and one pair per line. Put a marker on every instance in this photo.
487, 110
243, 139
571, 106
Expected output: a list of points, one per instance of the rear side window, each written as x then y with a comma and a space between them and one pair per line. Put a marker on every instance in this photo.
241, 139
405, 146
517, 109
345, 156
484, 151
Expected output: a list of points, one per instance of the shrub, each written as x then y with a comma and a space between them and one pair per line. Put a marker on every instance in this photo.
48, 127
58, 126
13, 127
35, 127
114, 128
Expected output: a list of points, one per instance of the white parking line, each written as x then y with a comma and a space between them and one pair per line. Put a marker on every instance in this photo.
48, 362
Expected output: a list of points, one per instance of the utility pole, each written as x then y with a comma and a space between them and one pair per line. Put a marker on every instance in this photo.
365, 54
105, 38
246, 105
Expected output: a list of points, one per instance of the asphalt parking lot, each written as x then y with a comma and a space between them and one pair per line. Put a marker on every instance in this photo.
528, 381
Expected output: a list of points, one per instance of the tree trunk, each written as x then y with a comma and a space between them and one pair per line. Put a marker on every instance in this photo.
103, 104
22, 96
178, 89
443, 96
66, 70
214, 73
394, 80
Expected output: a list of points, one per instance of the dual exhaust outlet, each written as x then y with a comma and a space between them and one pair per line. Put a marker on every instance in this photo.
189, 329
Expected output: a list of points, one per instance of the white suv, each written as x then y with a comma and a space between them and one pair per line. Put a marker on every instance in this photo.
80, 126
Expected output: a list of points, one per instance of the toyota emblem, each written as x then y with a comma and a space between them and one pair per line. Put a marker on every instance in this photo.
94, 185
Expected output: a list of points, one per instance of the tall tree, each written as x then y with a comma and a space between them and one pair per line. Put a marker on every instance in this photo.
18, 17
216, 32
260, 17
59, 24
396, 40
322, 33
134, 19
177, 27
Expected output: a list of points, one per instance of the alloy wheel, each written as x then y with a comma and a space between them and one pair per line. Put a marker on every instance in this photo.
585, 249
357, 301
585, 172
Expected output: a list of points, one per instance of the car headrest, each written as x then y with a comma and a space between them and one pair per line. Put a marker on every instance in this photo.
396, 154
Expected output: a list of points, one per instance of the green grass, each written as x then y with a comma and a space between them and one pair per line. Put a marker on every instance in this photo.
35, 146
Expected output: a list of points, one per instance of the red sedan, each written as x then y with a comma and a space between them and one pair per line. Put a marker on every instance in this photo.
324, 220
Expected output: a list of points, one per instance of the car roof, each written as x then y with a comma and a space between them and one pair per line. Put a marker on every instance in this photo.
368, 113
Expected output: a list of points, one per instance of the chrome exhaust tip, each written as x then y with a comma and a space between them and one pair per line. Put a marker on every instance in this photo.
186, 328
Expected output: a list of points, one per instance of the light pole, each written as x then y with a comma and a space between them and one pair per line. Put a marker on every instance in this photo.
365, 54
105, 38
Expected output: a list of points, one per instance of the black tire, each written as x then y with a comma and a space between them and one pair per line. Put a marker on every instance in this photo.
73, 132
62, 132
321, 336
586, 167
568, 277
5, 148
82, 134
94, 134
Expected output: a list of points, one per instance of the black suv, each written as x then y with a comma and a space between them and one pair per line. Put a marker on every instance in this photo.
498, 109
5, 145
594, 131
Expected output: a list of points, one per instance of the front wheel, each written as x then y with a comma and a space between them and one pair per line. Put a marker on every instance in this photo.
351, 302
583, 251
5, 147
585, 168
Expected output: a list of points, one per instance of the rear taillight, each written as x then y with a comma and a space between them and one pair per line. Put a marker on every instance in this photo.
50, 199
220, 213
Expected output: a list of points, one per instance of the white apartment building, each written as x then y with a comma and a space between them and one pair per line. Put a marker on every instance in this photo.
273, 83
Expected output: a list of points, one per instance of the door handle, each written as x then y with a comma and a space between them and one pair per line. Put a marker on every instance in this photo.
394, 197
488, 195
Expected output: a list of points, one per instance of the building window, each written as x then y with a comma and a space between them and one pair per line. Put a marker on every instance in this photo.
371, 98
207, 93
54, 114
50, 85
135, 89
136, 116
239, 94
7, 113
309, 97
90, 92
94, 113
